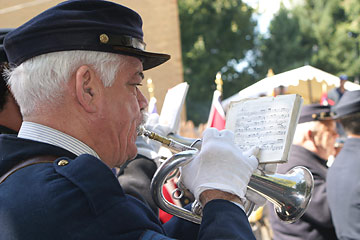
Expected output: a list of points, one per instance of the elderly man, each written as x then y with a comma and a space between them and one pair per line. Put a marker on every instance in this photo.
343, 178
312, 145
10, 117
76, 71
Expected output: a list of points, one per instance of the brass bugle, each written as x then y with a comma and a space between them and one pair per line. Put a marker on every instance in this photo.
290, 193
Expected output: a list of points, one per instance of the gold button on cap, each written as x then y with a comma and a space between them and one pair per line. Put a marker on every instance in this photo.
63, 162
104, 38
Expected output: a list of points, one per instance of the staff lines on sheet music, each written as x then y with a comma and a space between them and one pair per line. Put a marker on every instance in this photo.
264, 128
264, 110
270, 146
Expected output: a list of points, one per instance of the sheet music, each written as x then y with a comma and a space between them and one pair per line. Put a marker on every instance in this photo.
262, 122
172, 106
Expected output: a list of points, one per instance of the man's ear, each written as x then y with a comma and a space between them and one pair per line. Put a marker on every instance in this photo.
310, 135
87, 88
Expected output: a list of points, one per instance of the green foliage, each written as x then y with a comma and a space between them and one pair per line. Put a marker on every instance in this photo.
287, 47
322, 33
215, 34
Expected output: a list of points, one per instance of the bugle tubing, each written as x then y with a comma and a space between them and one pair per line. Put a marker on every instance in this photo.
290, 193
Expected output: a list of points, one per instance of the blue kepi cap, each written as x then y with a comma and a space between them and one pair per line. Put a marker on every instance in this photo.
93, 25
3, 32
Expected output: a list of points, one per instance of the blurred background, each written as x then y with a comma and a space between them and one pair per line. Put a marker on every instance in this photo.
245, 41
227, 50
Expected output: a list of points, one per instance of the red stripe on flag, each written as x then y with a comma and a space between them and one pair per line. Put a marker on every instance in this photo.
217, 114
218, 120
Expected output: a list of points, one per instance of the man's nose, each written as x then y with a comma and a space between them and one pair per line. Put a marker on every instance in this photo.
143, 102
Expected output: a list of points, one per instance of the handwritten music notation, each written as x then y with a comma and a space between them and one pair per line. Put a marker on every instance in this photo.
265, 122
263, 126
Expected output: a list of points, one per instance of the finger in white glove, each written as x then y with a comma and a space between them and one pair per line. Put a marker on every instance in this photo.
267, 168
253, 151
145, 149
219, 165
152, 124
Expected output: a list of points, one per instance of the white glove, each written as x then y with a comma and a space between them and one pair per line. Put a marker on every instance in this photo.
145, 148
219, 165
152, 124
269, 168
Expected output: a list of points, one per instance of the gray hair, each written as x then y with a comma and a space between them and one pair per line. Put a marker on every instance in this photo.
42, 79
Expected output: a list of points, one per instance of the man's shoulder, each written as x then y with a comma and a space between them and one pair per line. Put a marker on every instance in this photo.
82, 193
84, 177
93, 177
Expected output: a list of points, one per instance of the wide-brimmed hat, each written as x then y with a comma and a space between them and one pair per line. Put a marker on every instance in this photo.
93, 25
315, 112
348, 104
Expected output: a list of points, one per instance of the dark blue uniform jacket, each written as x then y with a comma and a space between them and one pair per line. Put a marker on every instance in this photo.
84, 200
343, 183
316, 222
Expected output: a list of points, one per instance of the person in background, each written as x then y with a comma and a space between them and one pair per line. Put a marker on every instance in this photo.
76, 71
335, 94
343, 178
313, 143
10, 116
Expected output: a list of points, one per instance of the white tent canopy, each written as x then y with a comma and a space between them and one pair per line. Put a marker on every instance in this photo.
289, 78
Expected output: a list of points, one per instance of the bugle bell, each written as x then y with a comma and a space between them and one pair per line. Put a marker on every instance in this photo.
290, 193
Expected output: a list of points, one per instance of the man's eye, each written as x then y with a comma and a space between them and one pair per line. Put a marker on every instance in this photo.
136, 84
135, 88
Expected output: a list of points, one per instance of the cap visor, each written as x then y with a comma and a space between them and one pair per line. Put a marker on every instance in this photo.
150, 59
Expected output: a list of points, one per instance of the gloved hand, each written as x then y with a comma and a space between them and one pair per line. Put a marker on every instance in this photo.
145, 148
219, 165
269, 168
152, 124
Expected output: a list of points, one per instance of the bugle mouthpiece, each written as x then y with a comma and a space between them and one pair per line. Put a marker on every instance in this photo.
153, 136
164, 140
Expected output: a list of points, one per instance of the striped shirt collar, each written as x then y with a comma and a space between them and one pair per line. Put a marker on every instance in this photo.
45, 134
